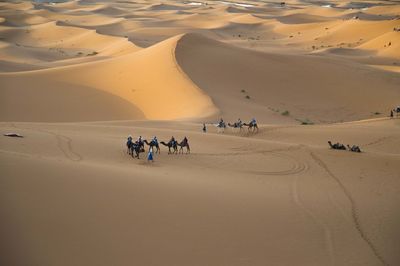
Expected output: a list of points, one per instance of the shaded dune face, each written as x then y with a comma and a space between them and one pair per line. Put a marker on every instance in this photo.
305, 85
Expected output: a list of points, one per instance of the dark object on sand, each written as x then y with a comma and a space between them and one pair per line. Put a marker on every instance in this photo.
336, 146
13, 135
184, 143
354, 148
135, 148
395, 110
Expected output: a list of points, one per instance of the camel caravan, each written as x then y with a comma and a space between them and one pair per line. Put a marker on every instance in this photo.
238, 125
134, 148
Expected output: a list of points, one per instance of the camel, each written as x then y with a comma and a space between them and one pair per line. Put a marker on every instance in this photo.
135, 148
153, 143
171, 144
353, 148
252, 126
336, 146
221, 127
236, 125
184, 143
128, 145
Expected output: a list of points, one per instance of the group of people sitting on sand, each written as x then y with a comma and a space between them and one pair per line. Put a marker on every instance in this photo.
134, 148
339, 146
221, 125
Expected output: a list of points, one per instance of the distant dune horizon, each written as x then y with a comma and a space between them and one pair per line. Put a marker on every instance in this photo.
240, 97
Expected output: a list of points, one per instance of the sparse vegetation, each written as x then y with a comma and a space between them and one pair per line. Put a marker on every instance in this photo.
377, 113
273, 109
243, 91
305, 121
247, 97
93, 53
285, 113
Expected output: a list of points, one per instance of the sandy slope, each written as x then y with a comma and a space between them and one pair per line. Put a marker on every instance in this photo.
233, 201
306, 86
77, 77
149, 80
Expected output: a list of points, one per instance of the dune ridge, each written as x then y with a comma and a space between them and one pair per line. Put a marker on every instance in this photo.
138, 78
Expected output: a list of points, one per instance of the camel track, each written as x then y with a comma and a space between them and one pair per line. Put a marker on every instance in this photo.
377, 141
354, 210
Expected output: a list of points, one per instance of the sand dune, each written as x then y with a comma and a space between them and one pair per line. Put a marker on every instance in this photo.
138, 78
77, 77
223, 71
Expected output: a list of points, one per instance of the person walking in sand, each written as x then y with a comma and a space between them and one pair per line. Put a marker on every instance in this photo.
204, 128
150, 155
391, 113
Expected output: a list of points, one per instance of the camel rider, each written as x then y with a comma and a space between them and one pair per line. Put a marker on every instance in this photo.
155, 140
172, 140
253, 121
221, 123
129, 141
185, 140
239, 122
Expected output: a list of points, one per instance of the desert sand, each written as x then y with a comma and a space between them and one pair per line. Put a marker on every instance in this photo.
77, 77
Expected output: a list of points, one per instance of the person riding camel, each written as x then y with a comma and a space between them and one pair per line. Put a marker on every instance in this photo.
172, 140
130, 138
155, 140
221, 123
140, 141
253, 121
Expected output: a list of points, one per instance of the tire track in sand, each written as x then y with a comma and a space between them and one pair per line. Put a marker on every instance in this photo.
308, 212
296, 165
64, 144
354, 210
